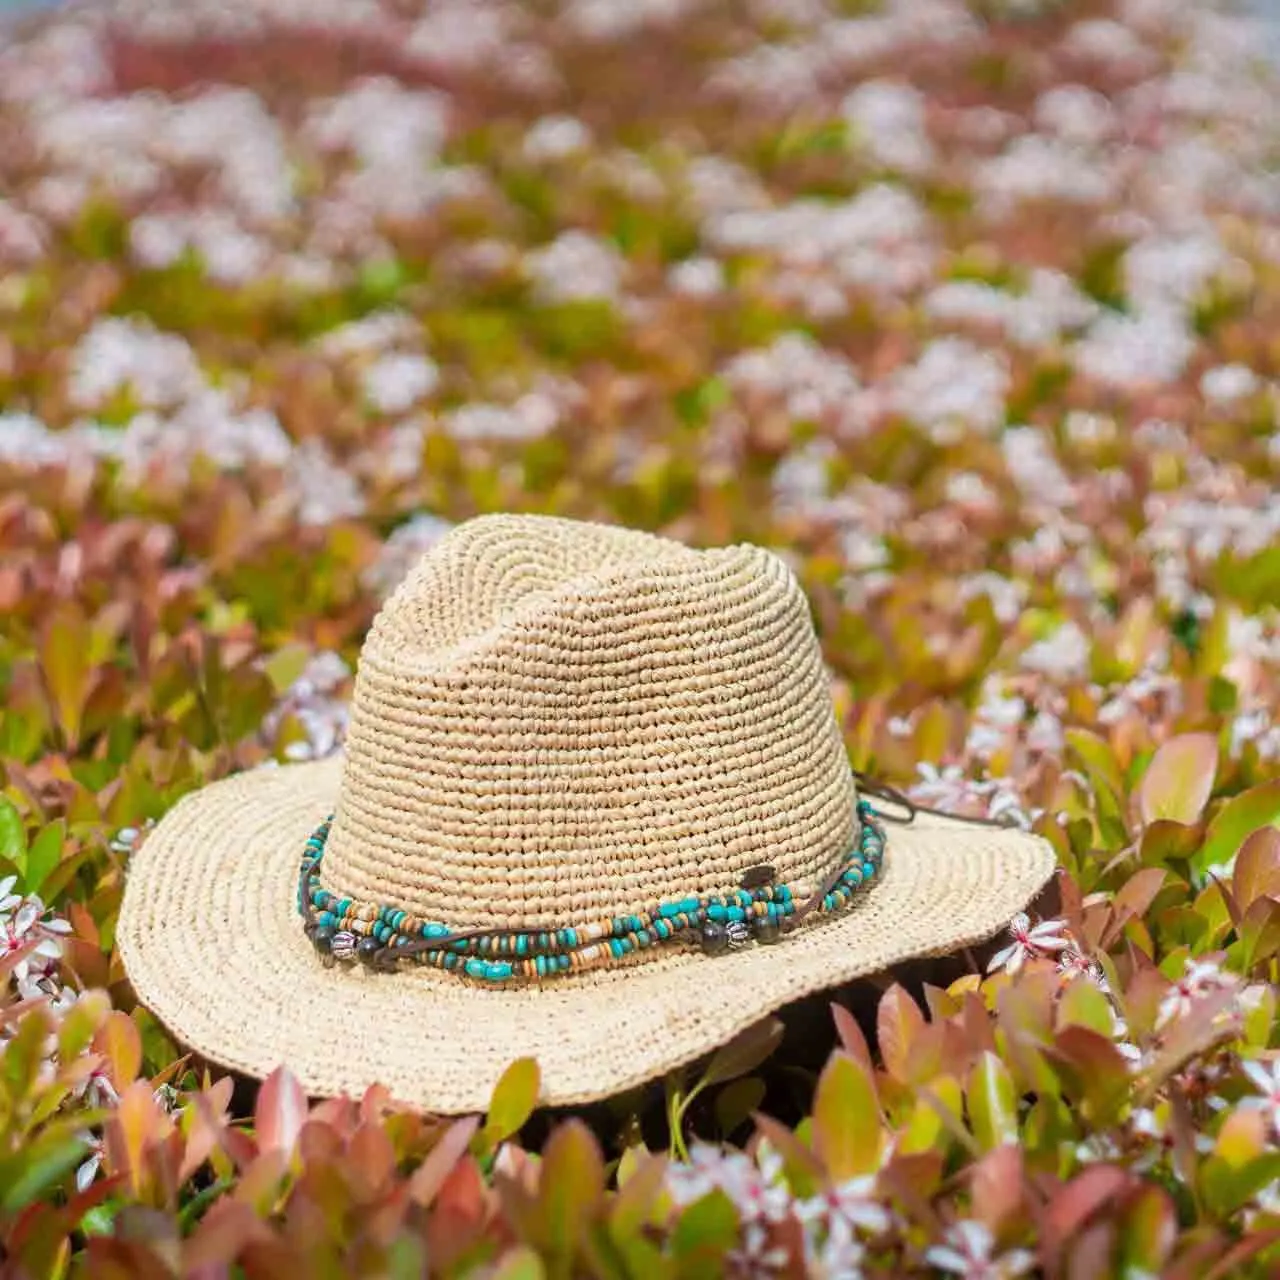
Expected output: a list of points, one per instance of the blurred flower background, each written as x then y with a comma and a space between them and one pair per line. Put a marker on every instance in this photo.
966, 307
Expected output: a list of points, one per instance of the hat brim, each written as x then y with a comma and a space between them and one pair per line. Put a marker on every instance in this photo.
213, 946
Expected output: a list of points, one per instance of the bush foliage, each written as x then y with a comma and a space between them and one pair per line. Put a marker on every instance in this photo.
968, 309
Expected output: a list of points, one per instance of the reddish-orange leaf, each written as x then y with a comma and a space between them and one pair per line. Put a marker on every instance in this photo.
1257, 870
997, 1187
430, 1176
280, 1112
1078, 1201
899, 1024
120, 1045
852, 1040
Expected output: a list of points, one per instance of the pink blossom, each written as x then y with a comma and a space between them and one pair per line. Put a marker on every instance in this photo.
1030, 942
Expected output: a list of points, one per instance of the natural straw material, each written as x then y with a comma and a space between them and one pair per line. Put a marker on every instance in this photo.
552, 723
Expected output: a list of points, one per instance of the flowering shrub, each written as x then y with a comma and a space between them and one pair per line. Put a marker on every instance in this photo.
966, 307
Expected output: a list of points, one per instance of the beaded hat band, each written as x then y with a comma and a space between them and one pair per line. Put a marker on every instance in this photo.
759, 910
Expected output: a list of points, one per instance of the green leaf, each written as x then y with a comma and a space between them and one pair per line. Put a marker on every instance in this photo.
743, 1054
1227, 1187
1236, 821
736, 1102
286, 665
44, 856
13, 833
1083, 1004
66, 662
1098, 759
846, 1120
514, 1098
41, 1166
704, 1233
993, 1104
521, 1263
1179, 779
935, 1120
570, 1192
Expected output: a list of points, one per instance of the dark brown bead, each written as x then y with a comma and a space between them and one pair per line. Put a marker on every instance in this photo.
765, 929
715, 938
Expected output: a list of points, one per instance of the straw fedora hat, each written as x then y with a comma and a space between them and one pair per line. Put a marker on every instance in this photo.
594, 807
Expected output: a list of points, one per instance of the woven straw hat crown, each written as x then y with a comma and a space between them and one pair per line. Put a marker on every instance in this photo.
554, 722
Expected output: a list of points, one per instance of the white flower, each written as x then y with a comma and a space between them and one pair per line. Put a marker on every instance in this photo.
966, 1251
954, 384
577, 266
96, 1090
697, 277
1029, 943
755, 1256
1075, 964
850, 1206
757, 1192
8, 899
1265, 1077
888, 119
555, 137
1226, 383
17, 931
1198, 979
395, 383
838, 1256
88, 1171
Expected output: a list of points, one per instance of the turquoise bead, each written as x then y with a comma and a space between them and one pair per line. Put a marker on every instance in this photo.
476, 969
522, 944
435, 931
571, 937
736, 913
669, 910
662, 928
498, 971
327, 920
868, 870
717, 913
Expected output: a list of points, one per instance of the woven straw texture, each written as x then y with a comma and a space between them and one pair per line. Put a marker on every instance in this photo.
552, 723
